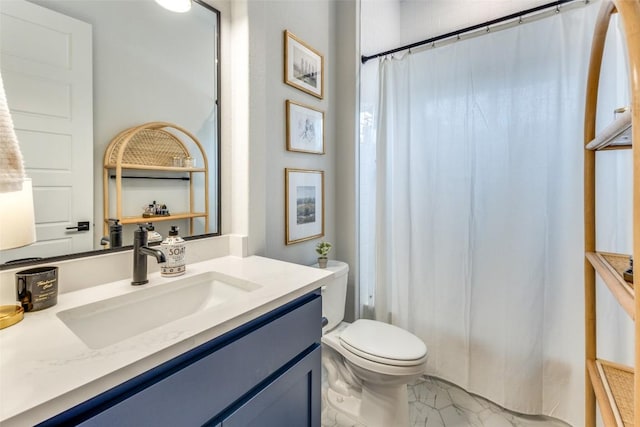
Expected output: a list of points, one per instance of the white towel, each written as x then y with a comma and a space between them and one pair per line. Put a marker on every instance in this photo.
11, 165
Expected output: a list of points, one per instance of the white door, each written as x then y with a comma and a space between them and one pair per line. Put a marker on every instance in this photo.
46, 65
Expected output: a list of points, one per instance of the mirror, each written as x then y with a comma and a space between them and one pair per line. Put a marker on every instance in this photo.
142, 64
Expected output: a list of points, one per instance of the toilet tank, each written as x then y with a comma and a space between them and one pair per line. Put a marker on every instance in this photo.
334, 294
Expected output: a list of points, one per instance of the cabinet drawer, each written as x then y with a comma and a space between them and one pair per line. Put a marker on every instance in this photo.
292, 399
206, 384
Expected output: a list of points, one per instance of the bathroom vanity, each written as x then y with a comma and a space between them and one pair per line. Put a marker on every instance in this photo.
237, 358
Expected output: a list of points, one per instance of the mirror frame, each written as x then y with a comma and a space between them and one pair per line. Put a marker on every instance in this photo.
25, 262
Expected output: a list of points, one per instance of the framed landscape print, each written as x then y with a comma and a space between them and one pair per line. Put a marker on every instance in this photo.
304, 205
305, 128
303, 66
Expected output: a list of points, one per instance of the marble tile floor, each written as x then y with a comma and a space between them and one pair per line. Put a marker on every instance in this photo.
437, 403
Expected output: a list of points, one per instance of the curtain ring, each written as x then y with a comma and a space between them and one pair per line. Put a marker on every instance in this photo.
488, 29
520, 19
557, 8
433, 44
458, 36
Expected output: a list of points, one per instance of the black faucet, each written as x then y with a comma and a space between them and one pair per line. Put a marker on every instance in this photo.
140, 253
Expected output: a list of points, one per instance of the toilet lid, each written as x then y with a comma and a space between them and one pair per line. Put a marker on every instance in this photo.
383, 342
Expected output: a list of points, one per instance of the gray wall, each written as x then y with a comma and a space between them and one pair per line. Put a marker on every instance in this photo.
346, 36
310, 21
331, 28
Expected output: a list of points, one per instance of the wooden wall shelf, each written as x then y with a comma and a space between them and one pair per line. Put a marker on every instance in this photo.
153, 147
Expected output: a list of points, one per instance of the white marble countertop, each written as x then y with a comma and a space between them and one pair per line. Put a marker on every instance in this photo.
45, 368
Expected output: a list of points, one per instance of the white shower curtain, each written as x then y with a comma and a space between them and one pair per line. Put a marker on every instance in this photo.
479, 210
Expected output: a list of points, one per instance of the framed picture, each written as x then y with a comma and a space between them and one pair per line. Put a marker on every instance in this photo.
305, 128
303, 66
304, 205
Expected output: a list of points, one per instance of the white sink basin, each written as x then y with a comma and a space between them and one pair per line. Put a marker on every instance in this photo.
112, 320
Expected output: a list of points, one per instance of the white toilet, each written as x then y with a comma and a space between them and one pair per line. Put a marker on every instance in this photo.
368, 363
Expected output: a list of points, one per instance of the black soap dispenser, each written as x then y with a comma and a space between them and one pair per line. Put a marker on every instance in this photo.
115, 233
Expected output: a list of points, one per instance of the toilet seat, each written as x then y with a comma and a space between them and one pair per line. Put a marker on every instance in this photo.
388, 367
383, 343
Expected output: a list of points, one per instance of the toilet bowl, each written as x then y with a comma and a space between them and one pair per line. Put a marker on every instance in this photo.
368, 363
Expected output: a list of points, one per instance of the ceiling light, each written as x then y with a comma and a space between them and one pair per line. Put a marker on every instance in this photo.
179, 6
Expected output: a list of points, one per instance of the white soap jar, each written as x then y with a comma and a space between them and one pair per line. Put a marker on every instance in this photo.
174, 250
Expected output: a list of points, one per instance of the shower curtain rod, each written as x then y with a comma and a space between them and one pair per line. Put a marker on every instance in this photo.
555, 4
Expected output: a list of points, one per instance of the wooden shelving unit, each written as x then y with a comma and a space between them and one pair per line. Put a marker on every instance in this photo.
152, 147
614, 387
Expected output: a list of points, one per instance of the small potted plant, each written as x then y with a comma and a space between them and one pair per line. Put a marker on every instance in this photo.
323, 248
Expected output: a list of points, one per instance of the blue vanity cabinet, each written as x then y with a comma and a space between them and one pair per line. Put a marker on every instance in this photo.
264, 373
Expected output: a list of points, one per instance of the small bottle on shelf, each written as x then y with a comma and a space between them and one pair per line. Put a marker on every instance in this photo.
115, 233
628, 274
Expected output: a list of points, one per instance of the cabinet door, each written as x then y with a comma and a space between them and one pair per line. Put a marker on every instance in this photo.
292, 399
